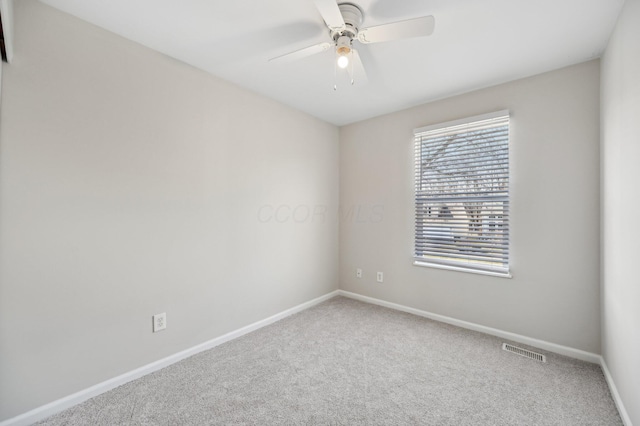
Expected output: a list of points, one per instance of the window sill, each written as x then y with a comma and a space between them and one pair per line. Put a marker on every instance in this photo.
461, 269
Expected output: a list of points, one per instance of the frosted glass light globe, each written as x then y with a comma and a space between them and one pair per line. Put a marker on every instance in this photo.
343, 61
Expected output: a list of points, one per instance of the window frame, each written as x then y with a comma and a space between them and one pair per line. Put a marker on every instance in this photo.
462, 265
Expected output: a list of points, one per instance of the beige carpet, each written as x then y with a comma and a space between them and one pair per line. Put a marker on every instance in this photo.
345, 362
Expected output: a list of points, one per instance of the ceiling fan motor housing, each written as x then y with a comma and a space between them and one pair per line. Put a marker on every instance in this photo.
353, 17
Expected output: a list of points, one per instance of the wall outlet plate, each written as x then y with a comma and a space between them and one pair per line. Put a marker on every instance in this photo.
358, 273
159, 322
380, 277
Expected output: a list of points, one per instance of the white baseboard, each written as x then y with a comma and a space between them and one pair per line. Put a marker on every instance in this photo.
54, 407
551, 347
548, 346
614, 393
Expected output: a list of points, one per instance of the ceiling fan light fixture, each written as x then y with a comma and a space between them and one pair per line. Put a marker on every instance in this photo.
343, 61
343, 49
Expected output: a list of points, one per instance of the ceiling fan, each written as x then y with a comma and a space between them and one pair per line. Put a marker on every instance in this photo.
344, 22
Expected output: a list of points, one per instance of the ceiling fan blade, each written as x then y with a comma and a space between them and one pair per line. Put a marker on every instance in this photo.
330, 13
302, 53
417, 27
357, 74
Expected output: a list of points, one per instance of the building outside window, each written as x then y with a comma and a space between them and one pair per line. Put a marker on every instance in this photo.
462, 194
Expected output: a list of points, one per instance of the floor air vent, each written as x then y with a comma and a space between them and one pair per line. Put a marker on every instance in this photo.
524, 352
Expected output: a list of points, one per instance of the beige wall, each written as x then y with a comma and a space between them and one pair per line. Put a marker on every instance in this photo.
554, 293
132, 184
621, 206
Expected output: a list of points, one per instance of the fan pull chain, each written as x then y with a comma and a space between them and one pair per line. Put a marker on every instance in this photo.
351, 70
335, 76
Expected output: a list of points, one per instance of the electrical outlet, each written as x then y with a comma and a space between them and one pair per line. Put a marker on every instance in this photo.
159, 322
380, 277
358, 273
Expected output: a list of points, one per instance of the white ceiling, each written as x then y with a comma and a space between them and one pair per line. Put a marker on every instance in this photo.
476, 43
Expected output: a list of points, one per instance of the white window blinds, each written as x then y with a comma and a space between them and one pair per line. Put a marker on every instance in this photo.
462, 194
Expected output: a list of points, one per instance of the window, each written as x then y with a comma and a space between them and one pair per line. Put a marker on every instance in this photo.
462, 194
